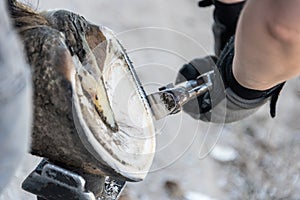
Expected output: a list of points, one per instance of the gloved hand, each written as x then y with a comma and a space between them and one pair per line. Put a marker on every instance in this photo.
227, 101
202, 104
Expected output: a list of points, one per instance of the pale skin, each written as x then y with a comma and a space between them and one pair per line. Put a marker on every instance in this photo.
267, 45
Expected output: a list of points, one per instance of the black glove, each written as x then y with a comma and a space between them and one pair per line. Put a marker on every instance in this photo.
202, 104
240, 101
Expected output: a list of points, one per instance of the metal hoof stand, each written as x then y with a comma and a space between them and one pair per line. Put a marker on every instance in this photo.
51, 182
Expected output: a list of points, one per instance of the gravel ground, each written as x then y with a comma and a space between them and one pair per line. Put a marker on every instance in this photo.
257, 158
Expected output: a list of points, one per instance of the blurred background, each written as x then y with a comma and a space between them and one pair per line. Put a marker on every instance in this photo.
256, 158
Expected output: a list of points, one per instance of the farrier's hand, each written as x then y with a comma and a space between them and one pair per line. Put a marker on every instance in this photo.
227, 101
202, 104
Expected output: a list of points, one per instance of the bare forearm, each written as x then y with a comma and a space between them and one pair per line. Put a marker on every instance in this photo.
267, 43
